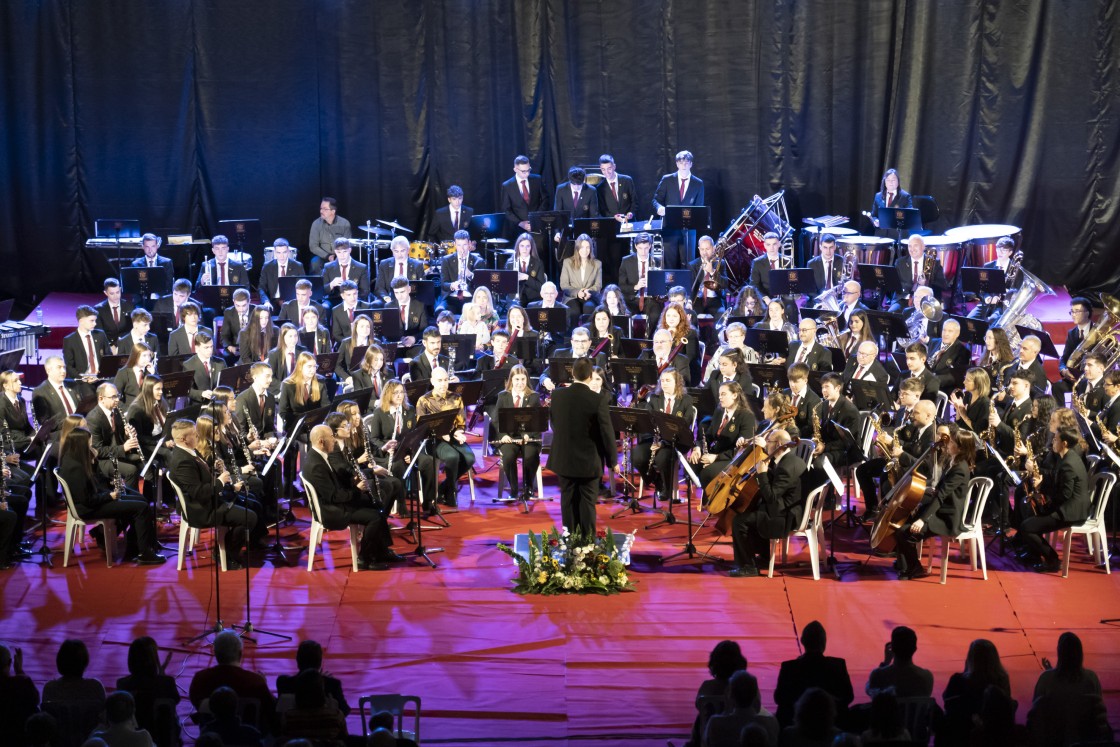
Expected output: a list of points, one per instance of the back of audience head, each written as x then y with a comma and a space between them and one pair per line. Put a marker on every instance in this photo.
815, 713
754, 735
95, 742
381, 720
40, 729
120, 707
309, 655
227, 647
143, 657
983, 665
742, 689
813, 638
209, 739
309, 690
72, 658
223, 703
382, 738
1071, 655
886, 718
904, 643
5, 660
725, 660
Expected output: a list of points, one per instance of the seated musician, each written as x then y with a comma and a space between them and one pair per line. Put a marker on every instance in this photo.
471, 324
778, 412
258, 339
213, 446
858, 331
834, 410
456, 273
990, 307
1081, 312
501, 359
15, 440
361, 336
633, 280
372, 373
1109, 412
517, 321
255, 411
209, 501
422, 365
1088, 392
140, 331
941, 512
130, 378
235, 320
399, 266
805, 349
392, 417
917, 324
549, 300
916, 365
414, 317
615, 301
292, 310
749, 303
314, 335
344, 269
777, 321
148, 417
282, 358
866, 366
581, 348
344, 313
947, 354
803, 398
972, 404
18, 431
777, 508
851, 303
234, 444
343, 499
1034, 454
386, 488
1008, 418
483, 301
761, 266
913, 432
656, 460
732, 368
1066, 501
666, 355
302, 392
452, 450
530, 269
674, 319
915, 271
96, 498
181, 340
732, 426
710, 278
735, 335
205, 367
827, 271
283, 264
513, 445
581, 279
111, 438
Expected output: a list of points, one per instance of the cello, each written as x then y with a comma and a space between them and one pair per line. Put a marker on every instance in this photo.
724, 490
903, 499
748, 489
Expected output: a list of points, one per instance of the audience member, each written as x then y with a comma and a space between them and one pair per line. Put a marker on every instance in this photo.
1067, 705
228, 672
95, 742
898, 671
41, 730
384, 720
314, 716
814, 720
122, 731
754, 735
71, 662
226, 723
725, 660
149, 685
19, 698
309, 655
887, 723
965, 691
995, 725
382, 738
743, 699
812, 669
209, 739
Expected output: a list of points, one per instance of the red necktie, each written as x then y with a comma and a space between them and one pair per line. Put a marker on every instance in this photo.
65, 400
614, 190
668, 406
116, 315
177, 322
377, 384
797, 400
207, 367
282, 270
404, 315
517, 401
641, 270
260, 403
400, 269
525, 191
800, 355
723, 424
396, 423
342, 271
222, 273
684, 187
91, 355
861, 371
889, 197
455, 220
351, 312
190, 338
773, 264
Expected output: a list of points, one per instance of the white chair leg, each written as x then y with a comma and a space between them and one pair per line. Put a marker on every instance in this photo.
978, 549
540, 482
355, 533
774, 544
470, 481
1067, 550
945, 543
313, 539
70, 527
1103, 542
814, 555
501, 483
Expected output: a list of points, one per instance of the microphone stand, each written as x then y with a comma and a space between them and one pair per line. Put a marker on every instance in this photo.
218, 625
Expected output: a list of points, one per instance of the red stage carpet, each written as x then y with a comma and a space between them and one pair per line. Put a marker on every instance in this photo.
492, 666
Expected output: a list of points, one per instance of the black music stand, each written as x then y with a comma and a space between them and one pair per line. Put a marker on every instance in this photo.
386, 324
599, 229
459, 349
190, 412
770, 376
983, 281
898, 220
525, 348
42, 437
636, 373
424, 291
660, 281
677, 433
560, 370
629, 422
216, 297
623, 323
552, 321
882, 281
746, 321
768, 341
1043, 336
236, 377
177, 385
687, 218
500, 282
493, 382
468, 391
549, 222
414, 441
523, 421
703, 399
287, 285
145, 282
867, 395
486, 226
633, 347
325, 364
169, 364
797, 281
107, 365
359, 355
887, 327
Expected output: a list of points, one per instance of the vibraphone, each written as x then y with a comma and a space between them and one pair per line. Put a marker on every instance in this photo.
22, 336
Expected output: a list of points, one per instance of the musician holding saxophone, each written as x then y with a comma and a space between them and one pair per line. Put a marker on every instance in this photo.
1066, 504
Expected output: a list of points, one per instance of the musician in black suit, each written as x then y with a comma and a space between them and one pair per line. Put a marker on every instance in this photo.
209, 501
513, 446
947, 354
732, 425
802, 397
1030, 363
866, 366
577, 197
114, 313
139, 332
1009, 415
77, 345
523, 193
990, 307
110, 440
400, 265
777, 509
761, 266
169, 305
907, 442
292, 311
421, 366
1081, 312
148, 416
130, 378
850, 302
205, 367
343, 268
913, 274
530, 269
617, 198
807, 350
1067, 501
812, 669
708, 269
221, 270
633, 279
455, 217
13, 413
890, 194
827, 268
349, 306
835, 410
302, 392
973, 404
1110, 408
47, 401
917, 369
235, 319
182, 339
392, 417
457, 272
657, 461
941, 512
413, 315
283, 264
256, 406
662, 353
583, 441
151, 243
678, 188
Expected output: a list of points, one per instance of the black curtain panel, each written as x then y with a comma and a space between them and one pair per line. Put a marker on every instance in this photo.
185, 112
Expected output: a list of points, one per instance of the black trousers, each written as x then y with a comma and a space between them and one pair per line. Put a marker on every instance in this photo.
658, 469
530, 455
8, 523
907, 545
423, 475
577, 502
132, 513
747, 538
242, 522
457, 459
865, 477
1031, 533
376, 537
130, 471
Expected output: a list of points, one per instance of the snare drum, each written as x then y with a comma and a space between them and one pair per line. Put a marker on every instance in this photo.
950, 252
981, 240
870, 250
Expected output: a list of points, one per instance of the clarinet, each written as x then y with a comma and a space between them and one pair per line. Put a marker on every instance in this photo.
116, 480
235, 468
9, 445
130, 432
357, 469
242, 441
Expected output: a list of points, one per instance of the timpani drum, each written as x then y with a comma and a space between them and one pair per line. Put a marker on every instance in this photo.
950, 252
870, 250
981, 241
810, 237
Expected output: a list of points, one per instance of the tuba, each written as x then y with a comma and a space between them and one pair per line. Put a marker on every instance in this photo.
1103, 338
1016, 312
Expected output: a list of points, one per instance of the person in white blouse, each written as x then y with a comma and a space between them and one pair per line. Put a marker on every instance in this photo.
581, 279
470, 324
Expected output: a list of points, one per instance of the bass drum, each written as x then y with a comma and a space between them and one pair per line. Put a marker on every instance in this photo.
981, 241
743, 238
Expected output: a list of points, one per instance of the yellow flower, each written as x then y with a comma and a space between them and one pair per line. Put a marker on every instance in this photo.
542, 577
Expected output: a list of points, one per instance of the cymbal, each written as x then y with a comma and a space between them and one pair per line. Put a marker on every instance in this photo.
376, 230
495, 241
394, 225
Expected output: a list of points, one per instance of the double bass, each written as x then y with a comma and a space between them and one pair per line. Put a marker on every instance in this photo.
904, 498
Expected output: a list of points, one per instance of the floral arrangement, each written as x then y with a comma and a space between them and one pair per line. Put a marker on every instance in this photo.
573, 563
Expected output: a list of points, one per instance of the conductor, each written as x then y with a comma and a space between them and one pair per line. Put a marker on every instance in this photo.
582, 438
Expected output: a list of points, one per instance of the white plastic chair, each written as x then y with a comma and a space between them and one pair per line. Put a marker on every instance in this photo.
973, 529
804, 449
318, 530
1096, 536
942, 405
75, 524
810, 528
396, 705
188, 534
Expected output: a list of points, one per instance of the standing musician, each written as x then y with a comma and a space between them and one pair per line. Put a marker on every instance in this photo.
345, 268
827, 272
617, 197
523, 193
916, 365
451, 219
576, 197
1029, 363
890, 194
656, 459
530, 269
915, 271
601, 328
181, 341
1067, 501
361, 336
915, 427
208, 501
941, 512
805, 349
834, 410
679, 188
972, 404
452, 450
581, 279
282, 358
400, 265
114, 314
95, 498
456, 273
343, 314
666, 355
513, 445
205, 367
302, 392
633, 279
212, 447
341, 496
732, 426
761, 266
130, 378
1081, 312
282, 265
777, 509
802, 397
710, 278
110, 439
947, 354
234, 321
388, 488
393, 416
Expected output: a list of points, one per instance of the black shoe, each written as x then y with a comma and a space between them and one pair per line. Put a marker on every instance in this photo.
392, 557
6, 566
869, 516
98, 534
376, 565
233, 565
744, 571
1047, 566
919, 572
431, 512
151, 558
21, 552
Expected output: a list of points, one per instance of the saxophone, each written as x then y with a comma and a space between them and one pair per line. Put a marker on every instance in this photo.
1018, 445
816, 420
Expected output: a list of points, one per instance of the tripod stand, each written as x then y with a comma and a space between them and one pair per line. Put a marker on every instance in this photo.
689, 547
415, 441
629, 421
